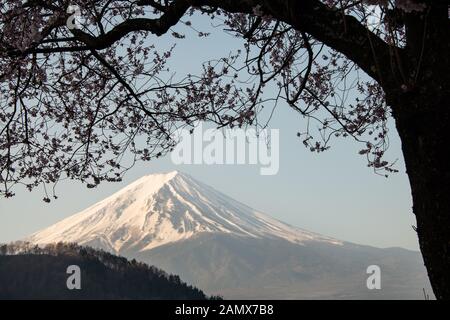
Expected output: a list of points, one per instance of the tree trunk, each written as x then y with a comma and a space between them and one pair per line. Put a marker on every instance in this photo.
420, 106
424, 127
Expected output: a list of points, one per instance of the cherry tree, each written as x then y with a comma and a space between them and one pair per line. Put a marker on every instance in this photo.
85, 91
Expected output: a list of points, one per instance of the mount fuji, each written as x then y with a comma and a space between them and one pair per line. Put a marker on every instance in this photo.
224, 247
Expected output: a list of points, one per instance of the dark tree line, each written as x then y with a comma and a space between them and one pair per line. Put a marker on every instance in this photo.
33, 272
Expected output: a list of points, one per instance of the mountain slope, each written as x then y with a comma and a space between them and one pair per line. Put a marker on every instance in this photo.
227, 248
251, 268
164, 208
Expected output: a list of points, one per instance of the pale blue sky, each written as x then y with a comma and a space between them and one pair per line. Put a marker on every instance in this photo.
333, 193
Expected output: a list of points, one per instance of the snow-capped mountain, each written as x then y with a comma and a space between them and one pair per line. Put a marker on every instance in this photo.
224, 247
164, 208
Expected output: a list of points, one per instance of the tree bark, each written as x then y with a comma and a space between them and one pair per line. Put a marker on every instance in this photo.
422, 114
425, 137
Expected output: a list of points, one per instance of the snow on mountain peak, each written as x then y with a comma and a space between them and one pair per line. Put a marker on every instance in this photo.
163, 208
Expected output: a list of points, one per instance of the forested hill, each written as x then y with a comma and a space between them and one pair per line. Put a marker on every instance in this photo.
31, 272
